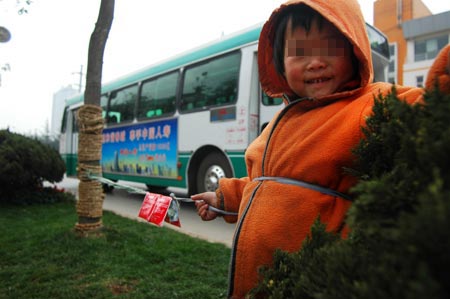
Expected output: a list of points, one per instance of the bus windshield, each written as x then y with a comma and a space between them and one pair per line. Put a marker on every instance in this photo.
378, 42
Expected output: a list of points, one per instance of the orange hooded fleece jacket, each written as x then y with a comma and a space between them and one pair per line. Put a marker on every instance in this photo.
309, 141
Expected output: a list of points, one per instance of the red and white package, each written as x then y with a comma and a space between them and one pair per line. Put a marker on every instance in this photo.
157, 208
154, 208
173, 215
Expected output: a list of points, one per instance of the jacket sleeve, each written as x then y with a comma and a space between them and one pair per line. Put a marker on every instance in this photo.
439, 71
230, 194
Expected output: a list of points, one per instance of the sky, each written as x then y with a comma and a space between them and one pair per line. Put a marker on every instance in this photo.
49, 44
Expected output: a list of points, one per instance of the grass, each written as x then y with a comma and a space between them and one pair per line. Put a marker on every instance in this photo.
42, 257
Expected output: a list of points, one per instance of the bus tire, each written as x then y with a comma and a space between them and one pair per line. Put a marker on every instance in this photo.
211, 169
156, 189
107, 188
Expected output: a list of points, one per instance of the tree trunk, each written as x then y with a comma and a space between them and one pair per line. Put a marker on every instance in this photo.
90, 122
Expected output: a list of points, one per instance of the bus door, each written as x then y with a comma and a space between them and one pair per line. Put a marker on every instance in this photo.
74, 141
261, 107
71, 142
253, 113
268, 106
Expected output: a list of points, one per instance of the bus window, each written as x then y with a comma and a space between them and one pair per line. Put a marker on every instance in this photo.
268, 101
212, 83
380, 53
103, 103
121, 106
378, 42
157, 96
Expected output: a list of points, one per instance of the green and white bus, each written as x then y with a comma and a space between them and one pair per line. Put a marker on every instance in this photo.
186, 122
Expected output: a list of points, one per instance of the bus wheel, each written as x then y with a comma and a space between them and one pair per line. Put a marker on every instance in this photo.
214, 167
107, 188
156, 189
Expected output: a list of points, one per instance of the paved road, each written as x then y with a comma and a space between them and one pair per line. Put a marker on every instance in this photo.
128, 205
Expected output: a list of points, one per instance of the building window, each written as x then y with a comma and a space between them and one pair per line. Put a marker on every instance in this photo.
419, 81
392, 71
429, 48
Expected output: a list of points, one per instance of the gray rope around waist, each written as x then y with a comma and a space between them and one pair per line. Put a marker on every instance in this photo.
304, 185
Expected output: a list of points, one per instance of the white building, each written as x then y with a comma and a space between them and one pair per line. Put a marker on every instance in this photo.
59, 100
425, 37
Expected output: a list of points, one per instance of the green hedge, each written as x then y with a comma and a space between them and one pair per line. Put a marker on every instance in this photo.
399, 245
26, 163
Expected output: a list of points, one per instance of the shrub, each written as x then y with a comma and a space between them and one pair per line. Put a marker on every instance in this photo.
26, 163
45, 195
400, 238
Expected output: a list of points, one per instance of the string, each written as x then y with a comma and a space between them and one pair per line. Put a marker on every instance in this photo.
131, 189
186, 199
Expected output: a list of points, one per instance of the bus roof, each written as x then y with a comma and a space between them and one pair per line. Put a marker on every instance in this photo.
209, 49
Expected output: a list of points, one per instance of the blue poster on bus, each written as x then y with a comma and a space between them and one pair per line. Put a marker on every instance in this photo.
148, 149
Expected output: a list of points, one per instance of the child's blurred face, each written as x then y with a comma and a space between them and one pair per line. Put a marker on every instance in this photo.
319, 62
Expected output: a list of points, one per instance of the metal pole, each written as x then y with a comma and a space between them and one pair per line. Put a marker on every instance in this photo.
81, 78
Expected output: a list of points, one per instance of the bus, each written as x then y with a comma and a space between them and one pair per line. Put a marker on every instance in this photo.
186, 122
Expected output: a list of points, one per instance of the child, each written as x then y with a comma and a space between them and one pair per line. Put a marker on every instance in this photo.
316, 54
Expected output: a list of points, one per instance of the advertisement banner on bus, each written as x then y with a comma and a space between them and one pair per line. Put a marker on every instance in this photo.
148, 149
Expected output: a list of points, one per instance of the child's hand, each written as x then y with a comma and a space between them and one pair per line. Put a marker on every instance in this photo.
203, 201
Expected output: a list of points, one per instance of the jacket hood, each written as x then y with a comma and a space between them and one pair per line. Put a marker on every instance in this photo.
346, 15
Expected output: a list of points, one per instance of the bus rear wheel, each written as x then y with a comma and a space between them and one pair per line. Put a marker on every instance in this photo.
212, 168
156, 189
107, 188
